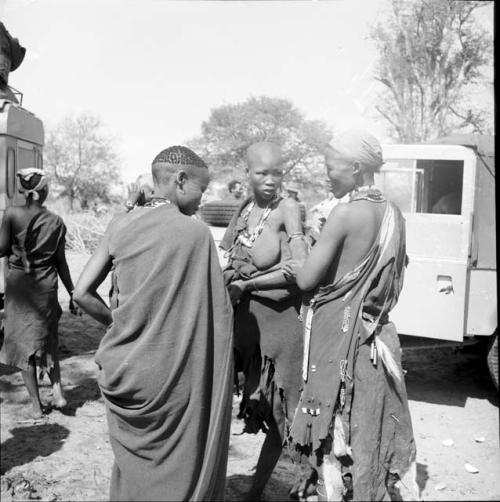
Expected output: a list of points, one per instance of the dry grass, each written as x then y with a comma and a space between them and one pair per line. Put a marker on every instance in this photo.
85, 230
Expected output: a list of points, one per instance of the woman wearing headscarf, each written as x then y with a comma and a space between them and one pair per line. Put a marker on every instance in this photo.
33, 240
353, 417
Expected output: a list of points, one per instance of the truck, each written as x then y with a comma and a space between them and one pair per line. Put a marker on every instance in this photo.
450, 289
21, 145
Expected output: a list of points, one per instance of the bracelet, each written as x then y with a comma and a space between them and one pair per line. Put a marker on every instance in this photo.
254, 287
129, 205
296, 235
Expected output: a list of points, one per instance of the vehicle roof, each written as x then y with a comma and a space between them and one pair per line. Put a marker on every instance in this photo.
20, 123
484, 144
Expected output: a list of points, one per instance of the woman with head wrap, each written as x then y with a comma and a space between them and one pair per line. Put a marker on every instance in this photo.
353, 416
33, 240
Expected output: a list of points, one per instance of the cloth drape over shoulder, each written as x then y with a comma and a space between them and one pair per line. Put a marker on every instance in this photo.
344, 372
166, 360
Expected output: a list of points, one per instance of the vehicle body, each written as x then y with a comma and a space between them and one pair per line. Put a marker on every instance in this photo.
450, 288
21, 144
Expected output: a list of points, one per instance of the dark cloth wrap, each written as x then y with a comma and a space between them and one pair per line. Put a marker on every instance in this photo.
267, 336
32, 309
372, 405
166, 360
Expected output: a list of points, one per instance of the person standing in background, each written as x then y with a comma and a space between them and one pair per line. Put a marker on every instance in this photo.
33, 239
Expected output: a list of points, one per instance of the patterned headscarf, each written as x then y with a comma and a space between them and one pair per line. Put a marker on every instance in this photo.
360, 146
25, 176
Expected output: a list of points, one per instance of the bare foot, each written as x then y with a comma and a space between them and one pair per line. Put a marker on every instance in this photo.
36, 411
59, 402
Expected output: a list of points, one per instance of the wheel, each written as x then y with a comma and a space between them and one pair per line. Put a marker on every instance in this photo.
492, 359
219, 213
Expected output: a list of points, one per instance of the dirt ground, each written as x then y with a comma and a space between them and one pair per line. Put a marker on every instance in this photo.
67, 456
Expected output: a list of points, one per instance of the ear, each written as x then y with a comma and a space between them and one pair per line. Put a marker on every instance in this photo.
180, 179
356, 167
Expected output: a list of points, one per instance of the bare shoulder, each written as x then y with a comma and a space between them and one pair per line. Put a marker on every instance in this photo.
289, 208
289, 204
347, 218
340, 212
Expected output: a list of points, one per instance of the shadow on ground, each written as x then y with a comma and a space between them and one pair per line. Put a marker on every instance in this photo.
28, 443
422, 476
77, 395
238, 486
78, 335
448, 376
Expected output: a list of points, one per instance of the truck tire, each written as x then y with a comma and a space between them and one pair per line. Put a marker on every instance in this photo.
219, 213
492, 359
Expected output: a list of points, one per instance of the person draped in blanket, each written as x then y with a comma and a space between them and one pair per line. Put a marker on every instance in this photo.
139, 193
33, 239
265, 243
166, 360
353, 418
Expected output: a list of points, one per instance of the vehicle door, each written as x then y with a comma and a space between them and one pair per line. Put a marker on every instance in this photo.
433, 185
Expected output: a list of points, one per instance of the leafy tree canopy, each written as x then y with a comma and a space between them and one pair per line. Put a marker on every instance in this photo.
431, 53
82, 161
231, 129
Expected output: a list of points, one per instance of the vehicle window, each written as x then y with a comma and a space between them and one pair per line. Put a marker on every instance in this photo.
423, 186
26, 157
11, 172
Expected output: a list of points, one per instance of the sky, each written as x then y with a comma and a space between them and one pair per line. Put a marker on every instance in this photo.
153, 69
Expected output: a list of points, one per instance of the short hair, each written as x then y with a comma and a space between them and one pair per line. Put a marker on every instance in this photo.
172, 159
179, 155
232, 184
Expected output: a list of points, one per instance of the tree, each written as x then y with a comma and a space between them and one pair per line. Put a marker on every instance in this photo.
231, 129
81, 160
432, 53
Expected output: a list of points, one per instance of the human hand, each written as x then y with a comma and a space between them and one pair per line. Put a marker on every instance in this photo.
74, 309
236, 290
290, 269
135, 194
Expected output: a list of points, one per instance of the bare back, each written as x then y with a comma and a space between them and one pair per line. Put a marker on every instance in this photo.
348, 235
363, 221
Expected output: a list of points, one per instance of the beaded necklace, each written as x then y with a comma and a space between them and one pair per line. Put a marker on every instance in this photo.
245, 237
157, 201
367, 192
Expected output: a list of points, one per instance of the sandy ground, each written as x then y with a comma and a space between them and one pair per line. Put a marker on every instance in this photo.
67, 456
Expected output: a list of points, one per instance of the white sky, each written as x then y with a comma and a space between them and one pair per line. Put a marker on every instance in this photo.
153, 69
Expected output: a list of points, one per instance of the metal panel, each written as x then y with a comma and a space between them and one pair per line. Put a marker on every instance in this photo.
484, 215
435, 292
424, 311
482, 318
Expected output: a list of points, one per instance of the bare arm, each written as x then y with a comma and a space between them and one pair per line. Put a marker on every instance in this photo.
94, 273
325, 250
5, 234
62, 267
295, 230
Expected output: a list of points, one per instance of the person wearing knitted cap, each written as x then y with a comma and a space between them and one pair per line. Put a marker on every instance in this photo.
353, 417
165, 362
33, 240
